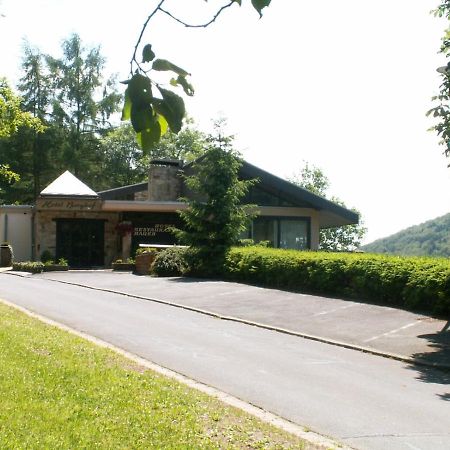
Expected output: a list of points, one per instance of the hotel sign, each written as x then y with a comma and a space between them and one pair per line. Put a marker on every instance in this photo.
68, 204
152, 230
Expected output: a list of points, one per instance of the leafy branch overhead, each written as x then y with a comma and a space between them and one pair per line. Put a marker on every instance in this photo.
152, 115
442, 109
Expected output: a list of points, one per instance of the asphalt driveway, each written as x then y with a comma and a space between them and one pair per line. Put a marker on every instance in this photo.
378, 328
364, 401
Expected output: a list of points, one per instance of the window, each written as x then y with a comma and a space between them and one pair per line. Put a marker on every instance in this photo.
265, 229
293, 233
260, 197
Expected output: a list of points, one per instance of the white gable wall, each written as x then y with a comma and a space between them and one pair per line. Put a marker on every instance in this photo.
16, 228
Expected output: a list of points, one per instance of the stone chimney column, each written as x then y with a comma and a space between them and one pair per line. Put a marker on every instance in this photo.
164, 180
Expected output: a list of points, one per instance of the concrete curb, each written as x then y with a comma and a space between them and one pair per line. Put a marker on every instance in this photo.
368, 350
311, 437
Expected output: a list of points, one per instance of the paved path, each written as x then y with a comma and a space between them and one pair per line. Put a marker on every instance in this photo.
362, 400
380, 328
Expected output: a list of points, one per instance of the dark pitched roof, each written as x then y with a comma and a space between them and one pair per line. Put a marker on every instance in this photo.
291, 192
112, 194
270, 183
294, 193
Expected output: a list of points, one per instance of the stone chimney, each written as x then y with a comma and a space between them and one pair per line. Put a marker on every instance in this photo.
164, 180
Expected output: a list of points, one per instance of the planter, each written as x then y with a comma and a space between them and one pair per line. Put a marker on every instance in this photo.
124, 267
55, 268
144, 262
6, 255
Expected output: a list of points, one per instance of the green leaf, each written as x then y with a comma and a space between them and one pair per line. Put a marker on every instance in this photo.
239, 2
149, 137
259, 5
126, 111
181, 81
140, 90
162, 123
172, 108
164, 65
148, 54
141, 117
187, 87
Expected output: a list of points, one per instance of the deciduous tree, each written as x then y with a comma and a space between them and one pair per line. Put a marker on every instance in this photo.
441, 110
12, 116
345, 238
152, 108
124, 162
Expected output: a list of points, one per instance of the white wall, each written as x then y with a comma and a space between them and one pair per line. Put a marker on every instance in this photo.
16, 228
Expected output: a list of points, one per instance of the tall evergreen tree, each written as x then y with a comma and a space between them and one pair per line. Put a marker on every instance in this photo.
215, 216
42, 149
82, 104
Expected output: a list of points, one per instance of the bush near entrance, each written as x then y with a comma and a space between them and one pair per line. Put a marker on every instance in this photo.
170, 262
28, 266
421, 284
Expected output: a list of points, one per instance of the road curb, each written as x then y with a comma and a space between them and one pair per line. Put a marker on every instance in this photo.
311, 437
368, 350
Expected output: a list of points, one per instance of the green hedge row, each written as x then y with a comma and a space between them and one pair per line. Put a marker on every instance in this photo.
28, 266
421, 284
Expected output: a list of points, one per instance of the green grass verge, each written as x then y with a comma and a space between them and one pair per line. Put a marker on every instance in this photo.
60, 391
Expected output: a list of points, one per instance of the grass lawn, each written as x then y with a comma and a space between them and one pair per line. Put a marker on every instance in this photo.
60, 391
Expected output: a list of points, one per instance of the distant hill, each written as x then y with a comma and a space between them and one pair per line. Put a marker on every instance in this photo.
431, 238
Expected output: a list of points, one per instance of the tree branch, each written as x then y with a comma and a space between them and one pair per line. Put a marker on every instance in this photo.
133, 59
168, 13
187, 25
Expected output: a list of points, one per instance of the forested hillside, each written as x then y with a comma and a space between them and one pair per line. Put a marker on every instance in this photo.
431, 238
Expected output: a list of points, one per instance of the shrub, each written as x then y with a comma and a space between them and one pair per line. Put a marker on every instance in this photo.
61, 262
143, 250
413, 283
46, 256
28, 266
170, 262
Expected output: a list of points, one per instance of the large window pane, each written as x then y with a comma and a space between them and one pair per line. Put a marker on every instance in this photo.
294, 234
265, 229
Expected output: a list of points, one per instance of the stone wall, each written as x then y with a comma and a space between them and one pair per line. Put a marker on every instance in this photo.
164, 182
141, 196
45, 231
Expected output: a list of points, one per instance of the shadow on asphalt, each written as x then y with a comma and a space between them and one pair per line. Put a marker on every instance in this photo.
188, 280
440, 344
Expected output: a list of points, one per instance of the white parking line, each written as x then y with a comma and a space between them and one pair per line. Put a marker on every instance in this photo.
239, 291
335, 309
392, 331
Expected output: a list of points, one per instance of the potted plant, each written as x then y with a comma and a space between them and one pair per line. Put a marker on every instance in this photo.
6, 255
144, 259
124, 266
52, 266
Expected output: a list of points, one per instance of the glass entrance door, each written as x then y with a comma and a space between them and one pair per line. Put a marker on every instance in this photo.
81, 242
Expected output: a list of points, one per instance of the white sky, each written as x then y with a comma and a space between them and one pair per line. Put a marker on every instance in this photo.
344, 85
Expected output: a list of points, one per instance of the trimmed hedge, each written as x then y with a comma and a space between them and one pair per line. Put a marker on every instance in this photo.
421, 284
28, 266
